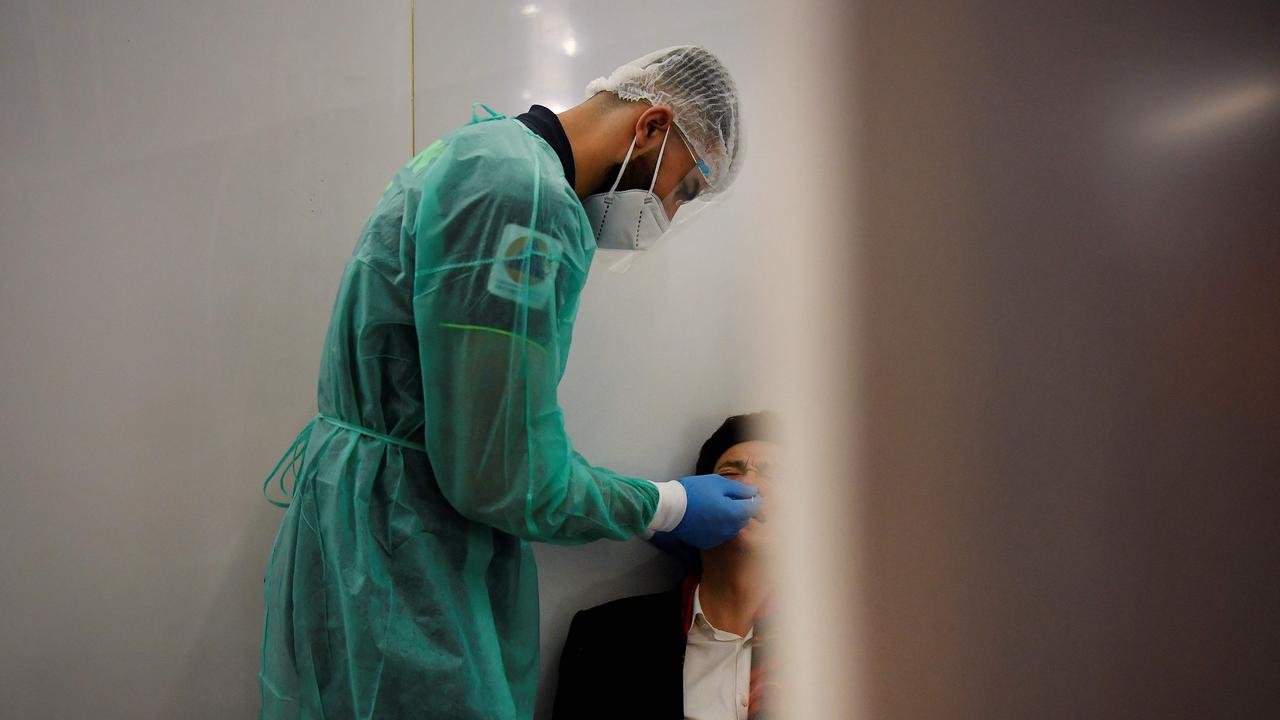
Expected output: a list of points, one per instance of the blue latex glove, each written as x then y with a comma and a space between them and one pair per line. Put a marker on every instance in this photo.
717, 509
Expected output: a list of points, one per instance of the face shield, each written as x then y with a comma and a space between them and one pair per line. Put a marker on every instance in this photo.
689, 196
684, 201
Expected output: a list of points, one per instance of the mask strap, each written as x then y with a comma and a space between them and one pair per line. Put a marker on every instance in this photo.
661, 150
622, 169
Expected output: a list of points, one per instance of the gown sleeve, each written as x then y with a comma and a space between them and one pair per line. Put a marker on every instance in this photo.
501, 259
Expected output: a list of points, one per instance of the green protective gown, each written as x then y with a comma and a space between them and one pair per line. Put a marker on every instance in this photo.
401, 583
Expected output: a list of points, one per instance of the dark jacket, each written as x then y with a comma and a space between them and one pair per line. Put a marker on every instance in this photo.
625, 659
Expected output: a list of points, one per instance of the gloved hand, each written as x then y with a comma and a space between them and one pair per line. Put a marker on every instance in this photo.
716, 510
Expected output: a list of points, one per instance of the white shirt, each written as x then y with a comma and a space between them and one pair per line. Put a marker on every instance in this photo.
717, 670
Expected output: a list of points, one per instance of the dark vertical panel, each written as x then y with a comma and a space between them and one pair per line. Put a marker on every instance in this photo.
1071, 280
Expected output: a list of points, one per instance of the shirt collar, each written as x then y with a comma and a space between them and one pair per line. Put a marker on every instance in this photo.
701, 622
544, 123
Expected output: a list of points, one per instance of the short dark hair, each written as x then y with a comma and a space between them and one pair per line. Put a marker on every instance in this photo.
737, 429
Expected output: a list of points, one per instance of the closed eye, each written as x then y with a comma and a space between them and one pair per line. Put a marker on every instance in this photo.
732, 468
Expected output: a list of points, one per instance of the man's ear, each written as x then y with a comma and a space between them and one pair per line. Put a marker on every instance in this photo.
652, 125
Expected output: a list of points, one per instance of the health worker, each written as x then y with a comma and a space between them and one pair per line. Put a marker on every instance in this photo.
401, 583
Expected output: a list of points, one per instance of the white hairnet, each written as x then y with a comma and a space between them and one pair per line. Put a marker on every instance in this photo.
702, 96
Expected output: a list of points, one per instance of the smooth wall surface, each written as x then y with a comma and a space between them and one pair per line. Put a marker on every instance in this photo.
182, 183
665, 352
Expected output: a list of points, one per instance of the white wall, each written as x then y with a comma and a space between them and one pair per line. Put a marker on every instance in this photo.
180, 187
181, 183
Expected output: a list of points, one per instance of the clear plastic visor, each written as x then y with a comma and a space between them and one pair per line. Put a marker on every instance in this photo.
682, 202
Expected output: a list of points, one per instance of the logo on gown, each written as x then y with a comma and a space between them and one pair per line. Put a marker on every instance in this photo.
524, 270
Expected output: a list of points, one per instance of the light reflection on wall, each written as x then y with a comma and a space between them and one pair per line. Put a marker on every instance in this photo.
553, 43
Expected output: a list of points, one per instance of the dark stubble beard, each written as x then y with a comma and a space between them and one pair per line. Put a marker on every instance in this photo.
637, 177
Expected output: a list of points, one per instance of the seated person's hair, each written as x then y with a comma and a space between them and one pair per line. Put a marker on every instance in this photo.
737, 429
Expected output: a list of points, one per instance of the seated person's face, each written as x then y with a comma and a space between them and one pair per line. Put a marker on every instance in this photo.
754, 462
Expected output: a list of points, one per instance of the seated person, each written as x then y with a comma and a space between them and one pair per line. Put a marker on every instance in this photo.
694, 651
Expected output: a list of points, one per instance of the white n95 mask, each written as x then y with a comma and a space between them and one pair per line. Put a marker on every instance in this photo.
628, 220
